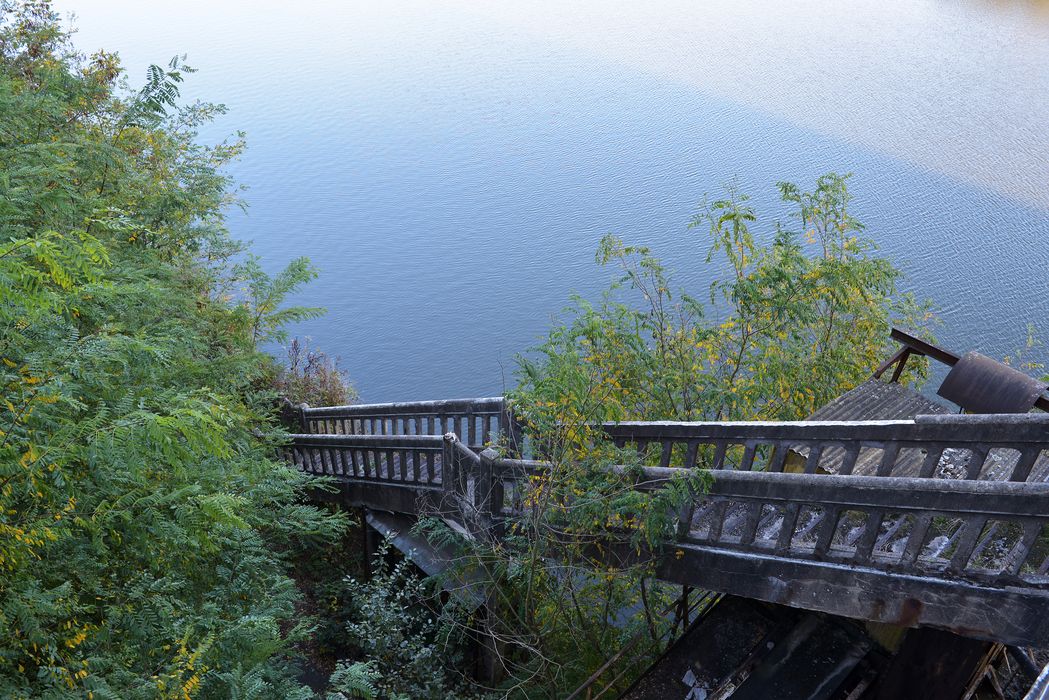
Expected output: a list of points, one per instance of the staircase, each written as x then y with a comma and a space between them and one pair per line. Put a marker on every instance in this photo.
959, 543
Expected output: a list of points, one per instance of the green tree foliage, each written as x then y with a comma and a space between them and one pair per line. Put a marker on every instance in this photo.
356, 680
782, 332
412, 641
142, 515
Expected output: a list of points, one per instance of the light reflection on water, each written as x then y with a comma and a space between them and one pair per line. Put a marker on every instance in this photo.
451, 165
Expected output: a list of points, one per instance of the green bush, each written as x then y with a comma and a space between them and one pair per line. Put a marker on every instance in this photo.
412, 640
143, 519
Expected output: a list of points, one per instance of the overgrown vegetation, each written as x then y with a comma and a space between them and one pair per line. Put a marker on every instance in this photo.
795, 322
313, 377
143, 520
785, 331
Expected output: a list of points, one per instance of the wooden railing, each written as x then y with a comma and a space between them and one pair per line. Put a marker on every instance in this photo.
960, 541
989, 447
477, 421
401, 459
900, 525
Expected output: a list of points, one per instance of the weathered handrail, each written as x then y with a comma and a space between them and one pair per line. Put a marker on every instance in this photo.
898, 524
478, 421
405, 459
965, 554
991, 447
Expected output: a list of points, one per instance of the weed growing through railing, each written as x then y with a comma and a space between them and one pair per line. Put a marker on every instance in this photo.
568, 571
783, 333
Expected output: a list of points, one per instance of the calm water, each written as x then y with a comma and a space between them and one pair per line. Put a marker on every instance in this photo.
450, 166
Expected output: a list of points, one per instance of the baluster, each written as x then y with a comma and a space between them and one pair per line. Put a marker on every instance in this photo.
971, 528
1022, 470
931, 461
747, 462
813, 460
916, 539
471, 430
889, 453
976, 460
685, 515
852, 452
374, 469
750, 523
391, 465
984, 541
665, 454
778, 457
717, 520
827, 526
641, 444
871, 529
720, 448
691, 452
786, 531
431, 467
1014, 561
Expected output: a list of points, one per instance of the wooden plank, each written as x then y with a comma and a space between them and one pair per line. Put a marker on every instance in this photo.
1007, 615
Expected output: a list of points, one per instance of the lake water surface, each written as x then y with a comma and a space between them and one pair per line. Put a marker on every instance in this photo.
450, 165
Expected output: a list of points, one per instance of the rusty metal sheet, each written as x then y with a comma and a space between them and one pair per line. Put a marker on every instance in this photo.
982, 385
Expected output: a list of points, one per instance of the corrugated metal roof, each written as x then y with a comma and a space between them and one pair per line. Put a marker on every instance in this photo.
875, 399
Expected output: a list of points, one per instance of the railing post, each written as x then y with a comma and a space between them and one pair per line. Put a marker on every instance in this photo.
488, 496
448, 465
302, 416
511, 430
